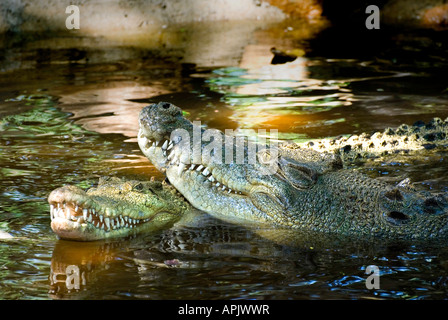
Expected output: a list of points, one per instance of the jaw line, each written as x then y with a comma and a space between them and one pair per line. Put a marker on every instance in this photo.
163, 155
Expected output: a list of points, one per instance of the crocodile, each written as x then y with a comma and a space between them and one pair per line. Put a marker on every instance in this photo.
115, 208
120, 207
308, 190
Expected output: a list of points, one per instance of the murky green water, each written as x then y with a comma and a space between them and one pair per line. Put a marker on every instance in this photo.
69, 115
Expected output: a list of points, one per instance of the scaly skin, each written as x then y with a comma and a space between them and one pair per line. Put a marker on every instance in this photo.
405, 139
309, 190
115, 208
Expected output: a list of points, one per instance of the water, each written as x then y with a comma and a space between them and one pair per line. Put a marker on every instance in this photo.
68, 115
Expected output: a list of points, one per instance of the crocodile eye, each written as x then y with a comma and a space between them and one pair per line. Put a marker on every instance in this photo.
138, 187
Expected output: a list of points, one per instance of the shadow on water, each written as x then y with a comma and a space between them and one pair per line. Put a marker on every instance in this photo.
68, 115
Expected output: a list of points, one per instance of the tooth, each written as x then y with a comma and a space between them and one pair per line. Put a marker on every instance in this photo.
58, 205
101, 218
107, 220
223, 188
84, 214
126, 218
170, 145
76, 208
181, 168
157, 142
165, 145
200, 168
192, 167
211, 179
230, 190
154, 144
51, 211
205, 172
89, 218
170, 156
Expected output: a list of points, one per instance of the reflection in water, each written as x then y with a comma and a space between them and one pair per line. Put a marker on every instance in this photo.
200, 262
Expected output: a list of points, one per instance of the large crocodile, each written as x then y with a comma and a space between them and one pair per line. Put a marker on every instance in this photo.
309, 190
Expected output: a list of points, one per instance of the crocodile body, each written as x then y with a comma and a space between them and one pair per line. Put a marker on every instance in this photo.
309, 190
406, 139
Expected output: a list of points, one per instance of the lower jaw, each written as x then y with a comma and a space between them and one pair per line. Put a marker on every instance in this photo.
70, 230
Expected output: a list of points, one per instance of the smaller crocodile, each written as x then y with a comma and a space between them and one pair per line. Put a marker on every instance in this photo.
115, 208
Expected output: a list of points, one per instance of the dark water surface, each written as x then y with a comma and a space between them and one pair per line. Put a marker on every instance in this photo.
68, 115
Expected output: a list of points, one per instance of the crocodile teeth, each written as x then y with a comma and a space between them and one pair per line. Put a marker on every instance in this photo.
181, 168
170, 145
205, 172
192, 167
211, 178
165, 145
84, 214
107, 220
200, 168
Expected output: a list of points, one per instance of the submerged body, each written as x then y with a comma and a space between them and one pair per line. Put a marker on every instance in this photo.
308, 190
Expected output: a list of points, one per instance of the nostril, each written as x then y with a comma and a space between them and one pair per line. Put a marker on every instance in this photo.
397, 217
165, 105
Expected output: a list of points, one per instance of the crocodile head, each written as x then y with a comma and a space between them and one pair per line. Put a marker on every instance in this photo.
224, 175
115, 208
